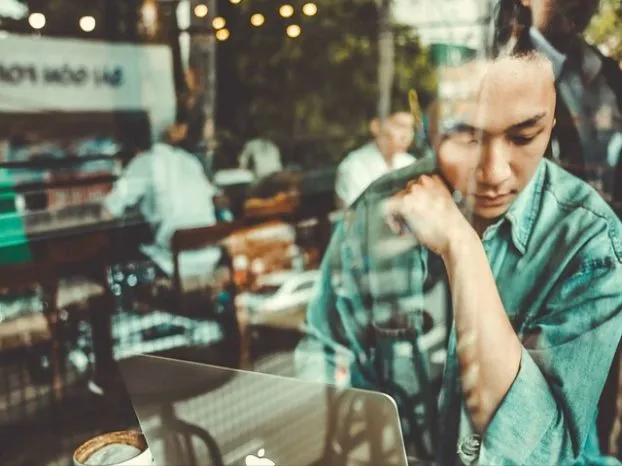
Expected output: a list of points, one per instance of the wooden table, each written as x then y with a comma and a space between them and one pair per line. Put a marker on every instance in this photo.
42, 231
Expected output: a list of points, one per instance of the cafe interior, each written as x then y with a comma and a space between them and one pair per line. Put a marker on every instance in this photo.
99, 346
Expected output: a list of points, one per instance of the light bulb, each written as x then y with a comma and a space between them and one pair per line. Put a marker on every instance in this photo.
257, 19
286, 11
200, 11
87, 23
309, 9
36, 20
293, 31
219, 22
222, 34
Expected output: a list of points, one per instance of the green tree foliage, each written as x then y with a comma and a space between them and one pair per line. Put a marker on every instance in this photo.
605, 30
320, 86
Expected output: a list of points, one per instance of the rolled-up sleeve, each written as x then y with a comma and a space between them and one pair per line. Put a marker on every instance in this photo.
547, 414
131, 187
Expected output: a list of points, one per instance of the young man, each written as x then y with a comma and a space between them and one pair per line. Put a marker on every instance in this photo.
169, 187
261, 156
385, 153
533, 257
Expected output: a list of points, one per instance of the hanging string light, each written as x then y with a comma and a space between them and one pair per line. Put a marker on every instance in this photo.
286, 11
293, 31
36, 20
222, 34
219, 22
201, 11
87, 23
309, 9
258, 19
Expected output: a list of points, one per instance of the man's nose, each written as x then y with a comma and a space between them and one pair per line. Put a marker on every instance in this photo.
494, 166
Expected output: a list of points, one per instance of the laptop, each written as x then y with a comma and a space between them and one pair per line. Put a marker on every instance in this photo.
193, 413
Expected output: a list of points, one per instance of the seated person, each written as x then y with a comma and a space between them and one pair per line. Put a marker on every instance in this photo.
533, 257
261, 156
385, 153
170, 189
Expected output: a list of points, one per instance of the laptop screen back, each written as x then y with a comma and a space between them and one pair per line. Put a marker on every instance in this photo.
206, 415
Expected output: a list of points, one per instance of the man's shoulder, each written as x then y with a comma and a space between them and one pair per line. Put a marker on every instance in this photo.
357, 156
397, 180
402, 159
579, 209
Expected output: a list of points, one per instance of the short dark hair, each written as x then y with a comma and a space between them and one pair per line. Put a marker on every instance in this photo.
134, 132
398, 103
510, 18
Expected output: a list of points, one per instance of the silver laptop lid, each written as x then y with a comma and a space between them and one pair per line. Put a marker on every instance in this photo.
199, 414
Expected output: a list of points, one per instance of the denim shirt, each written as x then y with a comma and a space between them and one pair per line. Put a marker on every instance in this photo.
557, 259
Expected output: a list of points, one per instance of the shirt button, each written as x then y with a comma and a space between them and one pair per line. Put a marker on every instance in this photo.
468, 449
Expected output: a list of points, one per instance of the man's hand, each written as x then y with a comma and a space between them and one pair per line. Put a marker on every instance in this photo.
430, 213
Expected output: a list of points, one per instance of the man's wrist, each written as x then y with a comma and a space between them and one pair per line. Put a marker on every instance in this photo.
460, 244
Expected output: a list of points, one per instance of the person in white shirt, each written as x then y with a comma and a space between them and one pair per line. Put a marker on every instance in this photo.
261, 156
169, 187
385, 153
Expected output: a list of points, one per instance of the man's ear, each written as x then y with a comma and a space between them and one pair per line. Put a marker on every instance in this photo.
526, 3
374, 127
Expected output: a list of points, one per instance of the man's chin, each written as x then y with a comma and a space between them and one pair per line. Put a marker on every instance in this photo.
490, 212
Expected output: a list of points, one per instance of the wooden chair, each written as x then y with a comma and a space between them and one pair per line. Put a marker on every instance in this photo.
193, 239
33, 329
200, 297
83, 292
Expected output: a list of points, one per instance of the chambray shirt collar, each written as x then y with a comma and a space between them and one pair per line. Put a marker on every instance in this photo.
523, 212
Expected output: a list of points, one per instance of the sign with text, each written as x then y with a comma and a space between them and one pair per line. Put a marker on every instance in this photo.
48, 74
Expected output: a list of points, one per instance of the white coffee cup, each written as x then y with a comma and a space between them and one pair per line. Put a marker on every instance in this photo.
122, 448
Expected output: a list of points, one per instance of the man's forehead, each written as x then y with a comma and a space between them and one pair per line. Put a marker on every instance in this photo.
402, 117
504, 90
467, 81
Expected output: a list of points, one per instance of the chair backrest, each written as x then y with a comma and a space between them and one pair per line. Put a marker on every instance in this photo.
189, 239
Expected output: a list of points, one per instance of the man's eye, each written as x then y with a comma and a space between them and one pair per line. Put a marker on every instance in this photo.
521, 140
466, 138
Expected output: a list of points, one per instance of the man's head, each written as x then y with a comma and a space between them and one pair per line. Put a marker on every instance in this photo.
498, 131
560, 18
395, 134
134, 134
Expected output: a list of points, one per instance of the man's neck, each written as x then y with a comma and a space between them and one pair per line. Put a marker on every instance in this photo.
481, 224
388, 158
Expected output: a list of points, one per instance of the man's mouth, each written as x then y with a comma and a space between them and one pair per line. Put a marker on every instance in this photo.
492, 201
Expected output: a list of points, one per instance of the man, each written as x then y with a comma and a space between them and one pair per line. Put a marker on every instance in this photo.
385, 153
534, 264
171, 191
589, 107
261, 156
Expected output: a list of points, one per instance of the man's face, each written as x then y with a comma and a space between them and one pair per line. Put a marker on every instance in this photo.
500, 135
396, 134
560, 17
